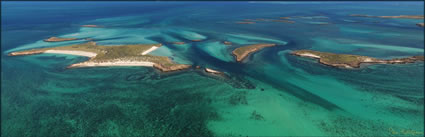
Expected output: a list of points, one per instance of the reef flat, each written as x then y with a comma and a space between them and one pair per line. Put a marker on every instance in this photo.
122, 55
351, 61
243, 52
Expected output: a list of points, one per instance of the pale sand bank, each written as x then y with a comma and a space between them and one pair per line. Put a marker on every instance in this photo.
212, 71
149, 50
309, 55
70, 52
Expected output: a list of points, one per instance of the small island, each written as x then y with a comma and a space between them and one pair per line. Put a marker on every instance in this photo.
420, 24
91, 26
351, 61
319, 23
243, 52
56, 39
196, 40
227, 43
245, 22
178, 43
122, 55
284, 21
400, 16
212, 71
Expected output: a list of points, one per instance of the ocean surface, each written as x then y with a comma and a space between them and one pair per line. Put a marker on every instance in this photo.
271, 93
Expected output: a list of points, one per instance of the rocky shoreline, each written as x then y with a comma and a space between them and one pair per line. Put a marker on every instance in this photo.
351, 61
176, 67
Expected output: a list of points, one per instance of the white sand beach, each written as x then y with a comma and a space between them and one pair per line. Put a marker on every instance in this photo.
112, 63
70, 52
309, 55
149, 50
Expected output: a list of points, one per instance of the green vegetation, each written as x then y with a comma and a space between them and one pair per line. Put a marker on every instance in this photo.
335, 58
242, 52
109, 52
346, 60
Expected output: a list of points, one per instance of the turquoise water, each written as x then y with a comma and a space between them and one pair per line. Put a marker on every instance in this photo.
271, 93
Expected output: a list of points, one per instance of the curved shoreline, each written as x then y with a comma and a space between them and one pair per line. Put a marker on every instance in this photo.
242, 52
351, 61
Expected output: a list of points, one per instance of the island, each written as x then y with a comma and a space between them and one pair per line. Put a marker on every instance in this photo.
284, 21
196, 40
319, 23
56, 39
248, 20
178, 43
351, 61
227, 43
243, 52
120, 55
245, 22
400, 16
420, 24
212, 71
91, 26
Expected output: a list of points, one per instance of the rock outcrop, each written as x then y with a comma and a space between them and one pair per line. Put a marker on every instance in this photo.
169, 68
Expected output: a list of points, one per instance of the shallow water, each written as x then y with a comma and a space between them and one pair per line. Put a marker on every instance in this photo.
271, 93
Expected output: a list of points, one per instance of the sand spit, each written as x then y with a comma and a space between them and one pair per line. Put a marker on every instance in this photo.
212, 71
112, 63
70, 52
149, 50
